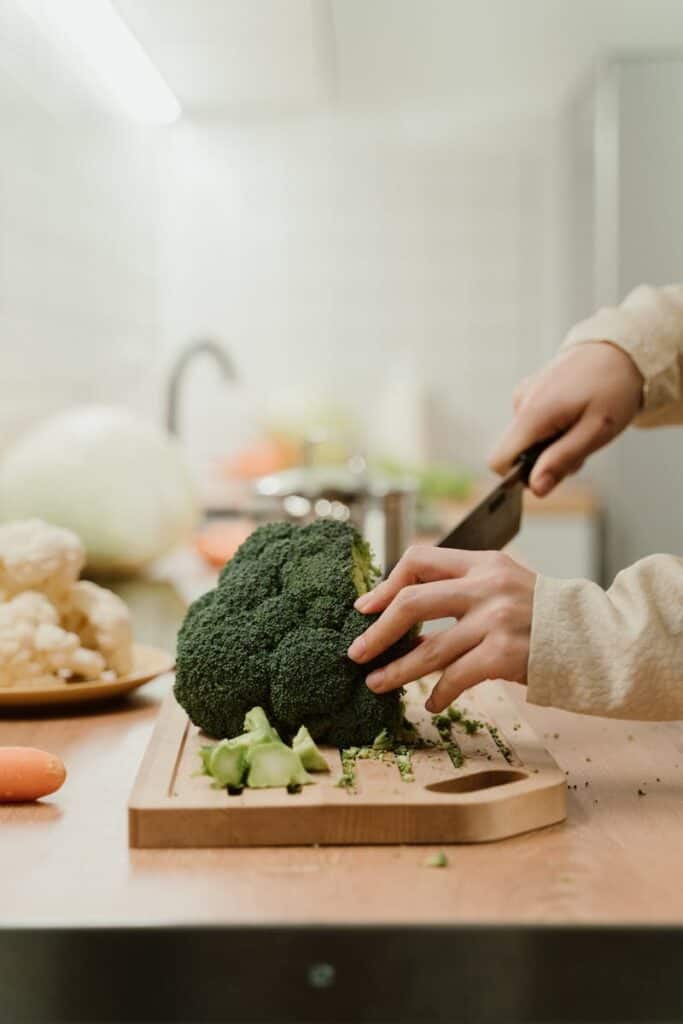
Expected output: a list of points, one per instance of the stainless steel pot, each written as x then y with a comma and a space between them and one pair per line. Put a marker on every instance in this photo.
382, 509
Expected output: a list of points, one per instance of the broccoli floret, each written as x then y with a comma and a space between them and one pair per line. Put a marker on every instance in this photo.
274, 633
256, 720
311, 758
274, 764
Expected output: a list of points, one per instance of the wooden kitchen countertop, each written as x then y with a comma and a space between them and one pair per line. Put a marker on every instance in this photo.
66, 862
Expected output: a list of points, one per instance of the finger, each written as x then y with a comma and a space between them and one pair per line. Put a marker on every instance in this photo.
534, 423
424, 563
520, 394
591, 432
417, 603
434, 653
467, 671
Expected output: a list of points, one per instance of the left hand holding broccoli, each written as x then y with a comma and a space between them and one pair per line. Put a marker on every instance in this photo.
489, 594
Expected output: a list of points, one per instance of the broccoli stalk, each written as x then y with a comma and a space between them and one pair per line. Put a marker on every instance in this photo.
227, 765
275, 764
256, 721
311, 758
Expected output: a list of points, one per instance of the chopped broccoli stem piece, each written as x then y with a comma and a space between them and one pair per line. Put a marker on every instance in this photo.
205, 755
227, 765
254, 738
311, 758
256, 720
275, 765
437, 860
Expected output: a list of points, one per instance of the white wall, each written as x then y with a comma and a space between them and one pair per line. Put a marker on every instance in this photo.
625, 228
78, 241
321, 248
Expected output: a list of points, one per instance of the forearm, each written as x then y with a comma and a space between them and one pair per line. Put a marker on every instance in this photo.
617, 653
648, 325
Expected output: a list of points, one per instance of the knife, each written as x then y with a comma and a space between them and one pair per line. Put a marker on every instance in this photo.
498, 517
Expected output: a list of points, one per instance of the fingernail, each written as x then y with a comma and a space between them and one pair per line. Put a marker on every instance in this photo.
375, 679
430, 704
357, 649
362, 601
545, 483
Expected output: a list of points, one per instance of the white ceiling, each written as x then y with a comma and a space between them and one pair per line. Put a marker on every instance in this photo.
474, 55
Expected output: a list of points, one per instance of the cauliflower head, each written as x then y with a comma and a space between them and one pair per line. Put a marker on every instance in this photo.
102, 621
37, 556
36, 651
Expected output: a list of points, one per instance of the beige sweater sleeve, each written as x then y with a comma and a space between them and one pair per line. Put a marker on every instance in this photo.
619, 653
649, 326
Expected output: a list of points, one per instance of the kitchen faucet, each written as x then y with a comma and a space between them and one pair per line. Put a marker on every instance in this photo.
184, 358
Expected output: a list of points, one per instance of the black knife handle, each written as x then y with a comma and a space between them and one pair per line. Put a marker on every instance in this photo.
529, 458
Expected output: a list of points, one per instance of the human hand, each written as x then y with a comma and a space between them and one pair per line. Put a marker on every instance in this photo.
589, 394
489, 595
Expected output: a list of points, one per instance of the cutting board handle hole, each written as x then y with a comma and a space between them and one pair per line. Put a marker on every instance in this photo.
478, 780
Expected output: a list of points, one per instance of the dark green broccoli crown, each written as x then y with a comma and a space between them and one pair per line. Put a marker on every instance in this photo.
275, 632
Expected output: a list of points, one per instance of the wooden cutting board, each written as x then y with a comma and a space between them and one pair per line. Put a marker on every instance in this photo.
507, 783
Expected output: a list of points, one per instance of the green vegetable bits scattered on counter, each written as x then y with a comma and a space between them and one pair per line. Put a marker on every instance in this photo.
436, 860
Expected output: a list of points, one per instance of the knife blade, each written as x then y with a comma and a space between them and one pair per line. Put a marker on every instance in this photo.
497, 518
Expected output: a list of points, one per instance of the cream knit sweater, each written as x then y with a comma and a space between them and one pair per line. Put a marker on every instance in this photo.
620, 652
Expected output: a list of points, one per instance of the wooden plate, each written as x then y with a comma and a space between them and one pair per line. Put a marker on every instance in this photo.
148, 662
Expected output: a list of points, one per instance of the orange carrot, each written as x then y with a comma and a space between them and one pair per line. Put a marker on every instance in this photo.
28, 774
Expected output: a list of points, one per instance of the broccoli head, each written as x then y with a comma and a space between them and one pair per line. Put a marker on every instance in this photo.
275, 632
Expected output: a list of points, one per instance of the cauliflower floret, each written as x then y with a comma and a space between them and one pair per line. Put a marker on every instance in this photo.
102, 621
36, 651
37, 556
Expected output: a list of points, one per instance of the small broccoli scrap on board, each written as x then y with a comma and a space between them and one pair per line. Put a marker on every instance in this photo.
274, 634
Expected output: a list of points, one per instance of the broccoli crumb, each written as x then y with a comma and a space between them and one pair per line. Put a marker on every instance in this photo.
404, 761
442, 724
500, 743
470, 725
347, 780
436, 860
